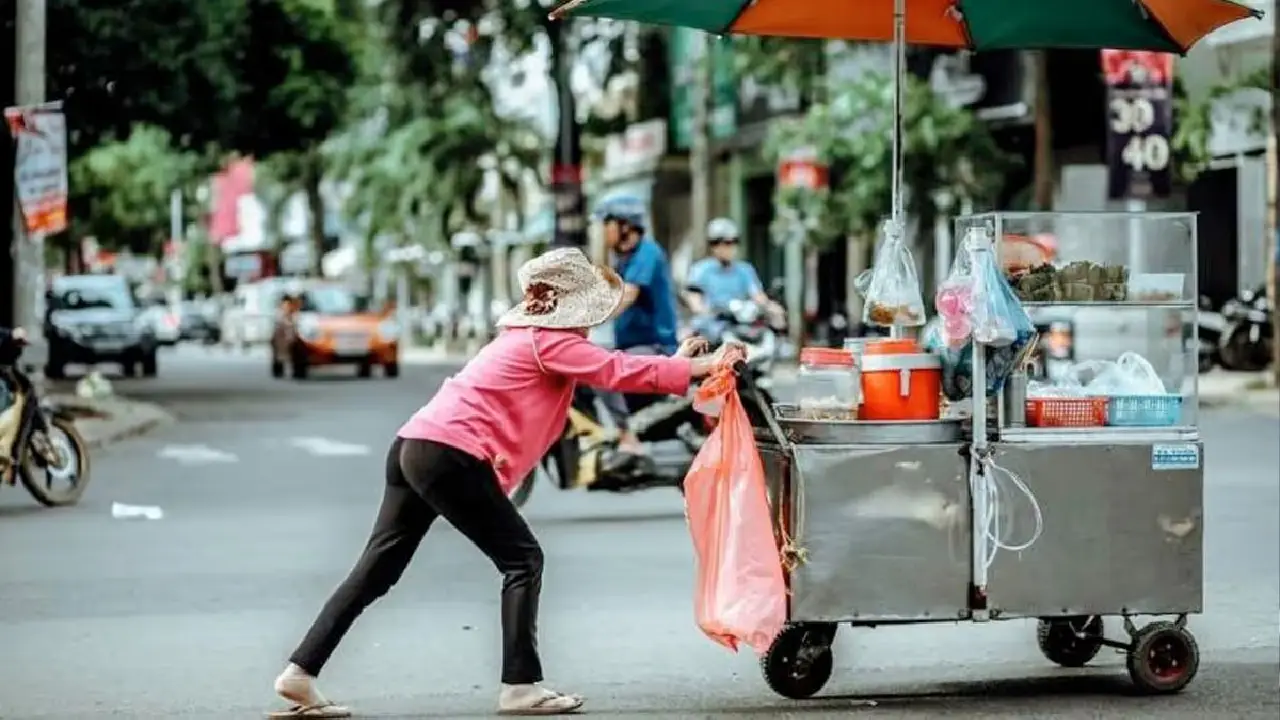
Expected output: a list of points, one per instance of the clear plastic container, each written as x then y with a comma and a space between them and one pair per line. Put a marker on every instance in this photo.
828, 386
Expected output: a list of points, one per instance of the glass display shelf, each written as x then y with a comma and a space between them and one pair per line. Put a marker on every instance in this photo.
1108, 259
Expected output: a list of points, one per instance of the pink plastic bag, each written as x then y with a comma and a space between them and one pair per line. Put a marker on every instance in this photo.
741, 595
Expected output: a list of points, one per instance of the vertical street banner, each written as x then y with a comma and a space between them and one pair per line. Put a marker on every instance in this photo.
1139, 123
40, 166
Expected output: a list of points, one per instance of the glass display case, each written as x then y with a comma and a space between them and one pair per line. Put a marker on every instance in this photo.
1106, 283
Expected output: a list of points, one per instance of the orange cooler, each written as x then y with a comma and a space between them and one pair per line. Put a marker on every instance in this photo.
903, 386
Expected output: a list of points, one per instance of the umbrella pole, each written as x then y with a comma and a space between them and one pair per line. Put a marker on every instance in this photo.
895, 229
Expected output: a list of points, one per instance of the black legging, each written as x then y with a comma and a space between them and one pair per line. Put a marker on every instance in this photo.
426, 480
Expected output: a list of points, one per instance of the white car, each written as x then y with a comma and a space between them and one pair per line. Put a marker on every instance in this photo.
163, 321
253, 309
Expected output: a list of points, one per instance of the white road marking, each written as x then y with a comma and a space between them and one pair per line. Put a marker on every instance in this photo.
324, 447
195, 454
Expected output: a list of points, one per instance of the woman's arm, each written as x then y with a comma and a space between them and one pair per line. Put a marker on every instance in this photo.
571, 355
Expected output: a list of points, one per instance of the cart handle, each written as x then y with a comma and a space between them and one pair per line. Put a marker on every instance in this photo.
747, 386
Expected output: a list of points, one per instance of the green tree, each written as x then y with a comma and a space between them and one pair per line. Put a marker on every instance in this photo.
297, 65
121, 189
785, 62
166, 63
949, 157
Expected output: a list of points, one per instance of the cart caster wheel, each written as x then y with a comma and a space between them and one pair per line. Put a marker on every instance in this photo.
799, 660
1070, 642
1163, 658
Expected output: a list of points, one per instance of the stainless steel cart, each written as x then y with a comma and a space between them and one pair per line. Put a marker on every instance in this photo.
885, 523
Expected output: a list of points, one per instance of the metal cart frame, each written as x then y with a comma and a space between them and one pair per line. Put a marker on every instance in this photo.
879, 526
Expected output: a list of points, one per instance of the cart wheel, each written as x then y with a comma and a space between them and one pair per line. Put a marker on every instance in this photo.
1163, 658
799, 660
1070, 642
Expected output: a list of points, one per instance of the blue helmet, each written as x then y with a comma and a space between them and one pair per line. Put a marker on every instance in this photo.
628, 209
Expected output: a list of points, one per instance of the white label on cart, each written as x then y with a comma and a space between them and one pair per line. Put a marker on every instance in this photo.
1182, 456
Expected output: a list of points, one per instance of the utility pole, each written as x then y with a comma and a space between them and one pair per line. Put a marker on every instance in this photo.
700, 143
28, 252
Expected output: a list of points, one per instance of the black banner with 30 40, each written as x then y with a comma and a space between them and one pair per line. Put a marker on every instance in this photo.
1139, 123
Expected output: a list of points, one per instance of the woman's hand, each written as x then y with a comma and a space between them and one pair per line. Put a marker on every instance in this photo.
693, 346
729, 353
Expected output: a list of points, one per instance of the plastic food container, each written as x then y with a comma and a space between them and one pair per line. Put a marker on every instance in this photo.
1156, 287
900, 386
886, 346
827, 385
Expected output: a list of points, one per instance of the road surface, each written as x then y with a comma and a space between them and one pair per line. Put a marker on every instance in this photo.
268, 489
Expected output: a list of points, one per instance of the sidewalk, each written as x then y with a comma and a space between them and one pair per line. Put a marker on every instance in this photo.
106, 421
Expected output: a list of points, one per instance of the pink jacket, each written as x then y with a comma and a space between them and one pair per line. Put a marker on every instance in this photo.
510, 403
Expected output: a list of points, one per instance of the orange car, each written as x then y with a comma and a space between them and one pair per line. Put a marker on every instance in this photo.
328, 325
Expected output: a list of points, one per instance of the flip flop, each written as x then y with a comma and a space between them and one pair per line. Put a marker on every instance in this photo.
322, 710
552, 703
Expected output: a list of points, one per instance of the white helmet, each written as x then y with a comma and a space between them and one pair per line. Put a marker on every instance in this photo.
722, 228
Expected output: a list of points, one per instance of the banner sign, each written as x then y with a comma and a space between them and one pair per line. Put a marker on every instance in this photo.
1139, 123
802, 168
40, 166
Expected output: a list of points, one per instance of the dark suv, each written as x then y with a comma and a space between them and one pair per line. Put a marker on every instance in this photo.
94, 319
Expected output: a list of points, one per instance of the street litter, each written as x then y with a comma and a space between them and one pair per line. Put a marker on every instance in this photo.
329, 448
195, 454
94, 387
120, 511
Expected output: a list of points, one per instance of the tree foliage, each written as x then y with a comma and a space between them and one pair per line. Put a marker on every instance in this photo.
948, 156
121, 189
167, 63
1194, 121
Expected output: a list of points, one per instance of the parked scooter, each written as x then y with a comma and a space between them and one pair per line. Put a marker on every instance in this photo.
1246, 342
39, 443
1211, 327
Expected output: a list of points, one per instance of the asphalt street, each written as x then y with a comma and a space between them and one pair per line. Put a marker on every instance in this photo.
268, 489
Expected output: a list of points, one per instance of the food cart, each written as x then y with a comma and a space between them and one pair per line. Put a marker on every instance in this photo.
897, 522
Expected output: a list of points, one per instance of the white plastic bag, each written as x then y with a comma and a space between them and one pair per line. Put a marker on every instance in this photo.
893, 289
1129, 374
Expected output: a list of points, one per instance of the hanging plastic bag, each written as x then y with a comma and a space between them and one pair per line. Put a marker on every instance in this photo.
975, 289
741, 595
893, 288
954, 301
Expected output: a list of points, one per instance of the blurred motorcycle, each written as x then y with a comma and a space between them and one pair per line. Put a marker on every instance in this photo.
39, 442
586, 454
747, 323
1211, 326
1246, 341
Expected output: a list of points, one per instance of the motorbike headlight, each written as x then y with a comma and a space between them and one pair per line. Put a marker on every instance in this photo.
308, 328
389, 330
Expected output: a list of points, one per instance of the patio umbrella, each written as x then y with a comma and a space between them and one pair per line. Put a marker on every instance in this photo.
1160, 25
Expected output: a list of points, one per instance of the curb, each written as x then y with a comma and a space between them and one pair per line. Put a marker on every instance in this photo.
128, 431
146, 417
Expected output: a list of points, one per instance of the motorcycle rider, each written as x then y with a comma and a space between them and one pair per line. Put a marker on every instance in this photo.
721, 278
646, 321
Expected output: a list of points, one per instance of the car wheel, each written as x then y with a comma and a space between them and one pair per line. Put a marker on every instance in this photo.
364, 369
55, 370
150, 365
129, 368
391, 369
277, 368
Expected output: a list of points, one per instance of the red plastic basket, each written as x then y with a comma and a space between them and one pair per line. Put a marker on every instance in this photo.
1067, 412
